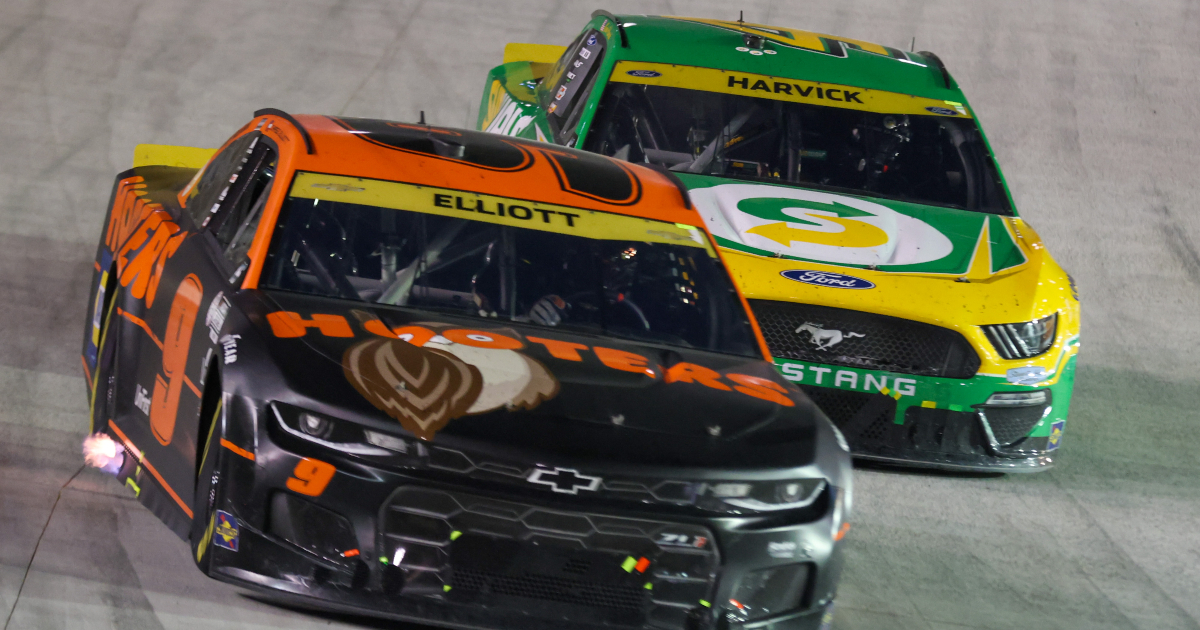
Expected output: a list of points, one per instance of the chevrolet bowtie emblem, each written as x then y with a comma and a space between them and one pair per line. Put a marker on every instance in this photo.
564, 480
825, 339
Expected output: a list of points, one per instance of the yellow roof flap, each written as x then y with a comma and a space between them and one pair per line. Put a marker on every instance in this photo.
169, 155
534, 53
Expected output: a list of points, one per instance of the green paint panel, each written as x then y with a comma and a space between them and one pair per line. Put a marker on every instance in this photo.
947, 393
1005, 252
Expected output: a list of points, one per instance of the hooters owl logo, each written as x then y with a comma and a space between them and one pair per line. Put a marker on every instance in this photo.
428, 380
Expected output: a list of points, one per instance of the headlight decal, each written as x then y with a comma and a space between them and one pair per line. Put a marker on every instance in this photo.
1023, 340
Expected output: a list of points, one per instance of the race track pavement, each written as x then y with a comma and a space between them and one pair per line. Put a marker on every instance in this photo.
1092, 109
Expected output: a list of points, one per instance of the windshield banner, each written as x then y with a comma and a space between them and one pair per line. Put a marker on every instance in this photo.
782, 89
492, 209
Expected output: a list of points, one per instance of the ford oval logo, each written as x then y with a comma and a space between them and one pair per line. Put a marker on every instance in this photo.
646, 74
944, 111
827, 279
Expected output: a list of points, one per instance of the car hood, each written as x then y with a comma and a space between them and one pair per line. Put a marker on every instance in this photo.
452, 379
841, 250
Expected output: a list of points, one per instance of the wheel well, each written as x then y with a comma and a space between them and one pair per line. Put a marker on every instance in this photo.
208, 408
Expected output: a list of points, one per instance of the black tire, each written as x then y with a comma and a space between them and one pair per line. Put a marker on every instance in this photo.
208, 487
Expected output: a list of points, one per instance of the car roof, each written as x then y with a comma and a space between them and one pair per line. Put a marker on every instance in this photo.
797, 54
477, 162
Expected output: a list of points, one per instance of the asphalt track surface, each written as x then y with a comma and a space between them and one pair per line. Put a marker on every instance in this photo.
1093, 109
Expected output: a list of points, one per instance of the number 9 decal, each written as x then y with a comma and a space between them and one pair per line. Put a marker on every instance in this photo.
168, 385
310, 477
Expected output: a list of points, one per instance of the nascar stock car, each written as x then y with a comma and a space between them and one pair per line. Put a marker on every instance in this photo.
456, 378
859, 208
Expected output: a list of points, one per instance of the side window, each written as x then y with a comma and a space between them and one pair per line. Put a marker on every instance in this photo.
236, 222
218, 179
568, 84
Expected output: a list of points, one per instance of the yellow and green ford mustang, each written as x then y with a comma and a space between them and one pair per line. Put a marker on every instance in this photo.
859, 206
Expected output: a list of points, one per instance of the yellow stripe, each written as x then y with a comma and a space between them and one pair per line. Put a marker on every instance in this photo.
781, 89
532, 215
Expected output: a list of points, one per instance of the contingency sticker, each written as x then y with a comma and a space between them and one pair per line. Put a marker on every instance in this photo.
1056, 431
226, 532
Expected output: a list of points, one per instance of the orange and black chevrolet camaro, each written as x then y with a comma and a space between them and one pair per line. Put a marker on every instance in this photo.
455, 378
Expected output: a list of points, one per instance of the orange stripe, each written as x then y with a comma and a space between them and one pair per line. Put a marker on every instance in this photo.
162, 482
97, 266
86, 371
237, 449
195, 390
145, 327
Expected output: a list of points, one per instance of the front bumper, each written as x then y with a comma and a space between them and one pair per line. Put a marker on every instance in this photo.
939, 423
411, 546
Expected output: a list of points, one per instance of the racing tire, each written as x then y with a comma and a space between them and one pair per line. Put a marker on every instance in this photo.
209, 493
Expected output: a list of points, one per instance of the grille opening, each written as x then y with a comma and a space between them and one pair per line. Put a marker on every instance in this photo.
863, 418
1010, 424
543, 587
863, 340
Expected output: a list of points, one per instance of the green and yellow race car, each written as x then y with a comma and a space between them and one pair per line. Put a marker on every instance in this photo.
857, 203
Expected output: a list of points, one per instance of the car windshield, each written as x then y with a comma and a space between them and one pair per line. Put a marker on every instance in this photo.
928, 159
503, 259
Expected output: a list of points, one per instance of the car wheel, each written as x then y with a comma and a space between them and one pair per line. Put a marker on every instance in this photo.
208, 491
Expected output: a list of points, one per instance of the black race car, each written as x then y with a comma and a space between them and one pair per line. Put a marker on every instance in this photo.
455, 378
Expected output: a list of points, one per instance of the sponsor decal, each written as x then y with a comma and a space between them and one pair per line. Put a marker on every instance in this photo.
339, 187
591, 41
942, 111
825, 339
788, 549
1056, 431
1027, 375
218, 310
827, 279
229, 348
226, 531
564, 480
141, 400
821, 226
848, 379
647, 74
142, 237
426, 385
429, 374
585, 53
508, 119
